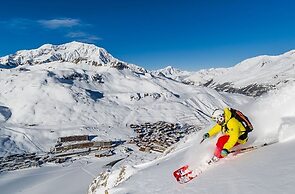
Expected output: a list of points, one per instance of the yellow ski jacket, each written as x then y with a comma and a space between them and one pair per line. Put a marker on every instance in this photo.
231, 127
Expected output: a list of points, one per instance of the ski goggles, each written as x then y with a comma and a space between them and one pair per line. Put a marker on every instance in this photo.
219, 119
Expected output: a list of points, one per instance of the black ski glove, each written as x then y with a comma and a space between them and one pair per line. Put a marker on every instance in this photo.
206, 136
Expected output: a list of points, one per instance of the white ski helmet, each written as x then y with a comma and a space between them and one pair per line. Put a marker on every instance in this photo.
218, 116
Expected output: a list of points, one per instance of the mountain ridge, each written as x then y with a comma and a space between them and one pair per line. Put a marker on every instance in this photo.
73, 52
252, 77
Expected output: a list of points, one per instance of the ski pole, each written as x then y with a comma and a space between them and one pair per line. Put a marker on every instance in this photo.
202, 140
203, 113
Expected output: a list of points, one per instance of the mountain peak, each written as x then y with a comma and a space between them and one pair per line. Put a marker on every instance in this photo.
73, 45
168, 71
72, 52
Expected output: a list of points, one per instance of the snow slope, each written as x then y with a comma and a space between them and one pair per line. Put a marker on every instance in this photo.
266, 170
69, 100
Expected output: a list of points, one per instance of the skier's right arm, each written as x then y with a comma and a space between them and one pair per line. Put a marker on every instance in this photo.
214, 130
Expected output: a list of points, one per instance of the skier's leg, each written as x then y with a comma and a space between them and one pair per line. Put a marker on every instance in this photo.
219, 145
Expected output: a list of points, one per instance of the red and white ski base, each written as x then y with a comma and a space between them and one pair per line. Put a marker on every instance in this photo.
185, 174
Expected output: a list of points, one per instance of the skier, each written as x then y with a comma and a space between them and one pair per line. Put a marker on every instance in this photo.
234, 131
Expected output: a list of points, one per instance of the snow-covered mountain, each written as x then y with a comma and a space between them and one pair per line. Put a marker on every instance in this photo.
252, 77
44, 93
73, 52
80, 89
172, 73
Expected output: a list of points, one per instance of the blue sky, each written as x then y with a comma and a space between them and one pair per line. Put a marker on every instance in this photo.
186, 34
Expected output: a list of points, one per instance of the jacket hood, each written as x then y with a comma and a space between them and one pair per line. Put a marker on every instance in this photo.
227, 115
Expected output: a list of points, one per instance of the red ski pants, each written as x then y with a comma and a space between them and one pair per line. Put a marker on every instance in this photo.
219, 145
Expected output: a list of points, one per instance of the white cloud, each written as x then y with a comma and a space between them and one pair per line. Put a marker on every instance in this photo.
90, 39
59, 23
66, 24
76, 34
83, 37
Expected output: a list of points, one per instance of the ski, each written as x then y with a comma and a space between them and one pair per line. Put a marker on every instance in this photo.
184, 174
250, 148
